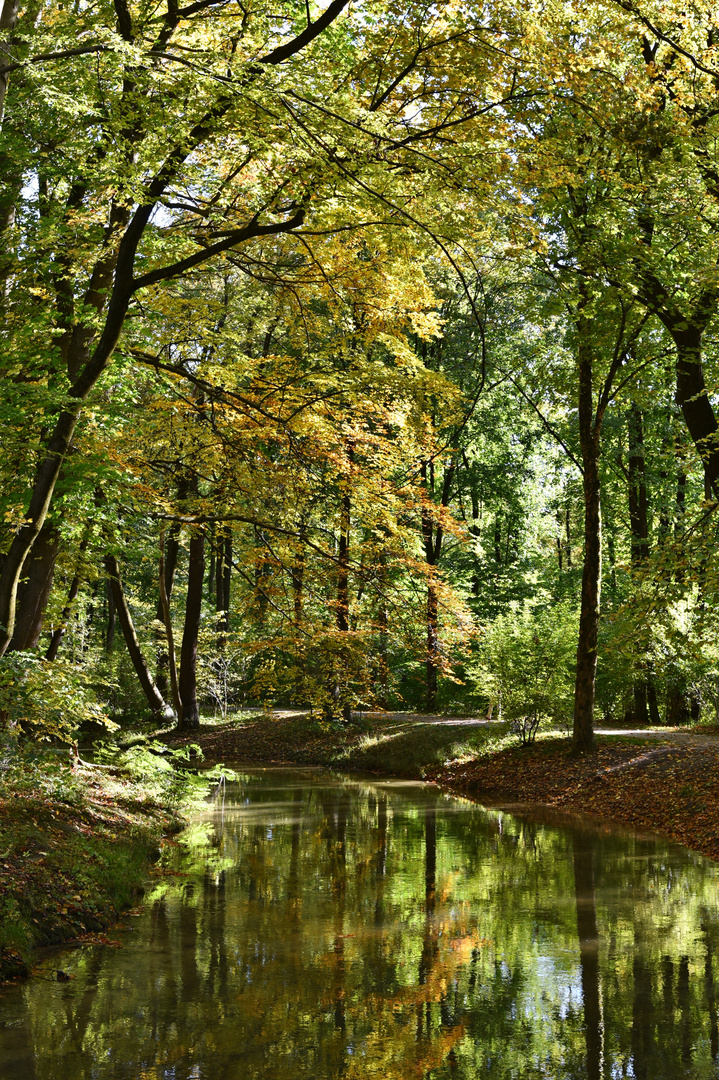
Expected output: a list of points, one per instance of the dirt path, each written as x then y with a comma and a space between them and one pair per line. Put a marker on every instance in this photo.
675, 735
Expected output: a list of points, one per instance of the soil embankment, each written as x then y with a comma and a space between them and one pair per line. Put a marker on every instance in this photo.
668, 785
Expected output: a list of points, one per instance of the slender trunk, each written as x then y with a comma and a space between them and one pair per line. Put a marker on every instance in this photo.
383, 626
110, 628
154, 697
171, 554
10, 171
343, 595
227, 578
298, 577
34, 589
432, 646
167, 621
59, 632
585, 686
223, 570
560, 545
343, 590
612, 554
433, 537
498, 540
211, 593
639, 527
681, 501
638, 502
190, 717
262, 575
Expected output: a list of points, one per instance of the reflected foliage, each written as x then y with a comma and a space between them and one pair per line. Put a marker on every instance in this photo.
325, 928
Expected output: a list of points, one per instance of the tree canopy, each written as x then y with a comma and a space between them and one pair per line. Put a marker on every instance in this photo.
358, 355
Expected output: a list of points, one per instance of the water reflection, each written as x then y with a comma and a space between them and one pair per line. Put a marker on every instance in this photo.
322, 928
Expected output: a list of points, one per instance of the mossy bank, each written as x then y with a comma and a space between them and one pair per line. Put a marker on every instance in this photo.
76, 843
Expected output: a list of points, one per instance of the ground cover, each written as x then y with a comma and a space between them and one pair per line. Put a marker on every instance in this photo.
403, 744
76, 842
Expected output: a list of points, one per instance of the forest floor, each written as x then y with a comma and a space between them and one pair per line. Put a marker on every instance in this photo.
76, 845
658, 780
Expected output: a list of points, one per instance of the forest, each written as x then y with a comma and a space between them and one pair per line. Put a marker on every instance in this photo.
359, 474
358, 357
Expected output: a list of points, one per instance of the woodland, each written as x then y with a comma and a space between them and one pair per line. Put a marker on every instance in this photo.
358, 357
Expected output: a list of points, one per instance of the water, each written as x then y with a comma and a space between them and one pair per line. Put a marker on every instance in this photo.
318, 927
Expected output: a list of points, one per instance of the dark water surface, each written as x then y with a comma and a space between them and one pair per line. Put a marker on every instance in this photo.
327, 928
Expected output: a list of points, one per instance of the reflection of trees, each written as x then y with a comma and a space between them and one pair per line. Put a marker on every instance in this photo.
710, 990
584, 891
188, 944
362, 932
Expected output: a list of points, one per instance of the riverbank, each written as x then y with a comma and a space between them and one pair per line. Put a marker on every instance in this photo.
668, 785
76, 845
663, 781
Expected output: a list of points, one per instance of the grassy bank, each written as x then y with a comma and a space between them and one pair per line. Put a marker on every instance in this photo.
402, 744
76, 842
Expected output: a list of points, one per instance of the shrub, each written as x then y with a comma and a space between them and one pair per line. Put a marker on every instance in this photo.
525, 666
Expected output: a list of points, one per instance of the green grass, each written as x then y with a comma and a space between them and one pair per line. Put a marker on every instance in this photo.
411, 748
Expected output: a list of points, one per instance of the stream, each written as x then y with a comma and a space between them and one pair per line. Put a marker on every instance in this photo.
322, 927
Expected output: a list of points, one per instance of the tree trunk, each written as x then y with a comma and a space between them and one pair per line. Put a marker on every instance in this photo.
163, 576
638, 502
693, 400
155, 700
211, 572
343, 590
644, 692
223, 570
298, 576
383, 627
262, 575
110, 628
34, 590
59, 632
433, 537
585, 686
190, 718
11, 178
432, 646
343, 594
169, 558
